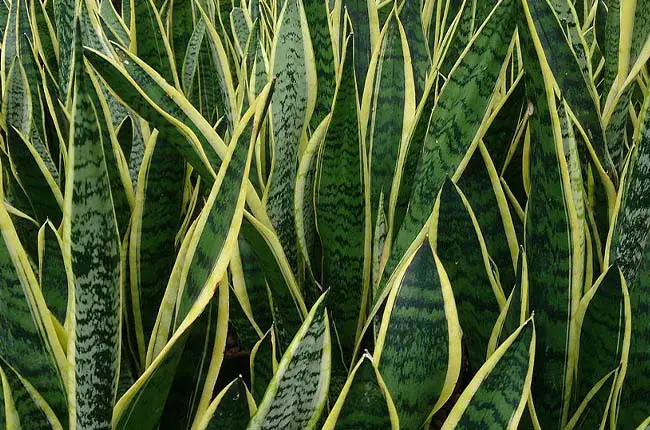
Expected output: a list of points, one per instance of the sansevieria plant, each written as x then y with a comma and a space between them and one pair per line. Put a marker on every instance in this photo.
325, 214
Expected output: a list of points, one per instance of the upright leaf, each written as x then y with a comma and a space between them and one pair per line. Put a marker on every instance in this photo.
149, 41
549, 246
340, 210
318, 19
455, 122
497, 395
292, 60
461, 248
364, 402
628, 248
28, 342
199, 270
65, 12
298, 391
91, 241
419, 342
155, 221
230, 409
604, 324
53, 273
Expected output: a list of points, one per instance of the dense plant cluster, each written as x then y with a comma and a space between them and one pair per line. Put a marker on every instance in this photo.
337, 214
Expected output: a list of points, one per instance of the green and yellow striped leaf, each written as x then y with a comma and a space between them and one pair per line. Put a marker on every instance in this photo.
419, 343
292, 64
340, 211
410, 14
392, 99
628, 248
317, 15
91, 241
28, 331
551, 238
364, 402
22, 409
497, 395
574, 85
296, 395
263, 363
604, 324
155, 221
230, 409
199, 268
461, 248
53, 270
65, 13
149, 41
455, 124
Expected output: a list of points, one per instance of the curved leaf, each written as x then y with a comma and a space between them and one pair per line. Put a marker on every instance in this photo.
297, 393
364, 402
497, 395
455, 122
292, 64
419, 342
92, 242
340, 211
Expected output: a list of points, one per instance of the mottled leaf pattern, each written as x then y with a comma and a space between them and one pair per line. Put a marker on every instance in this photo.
292, 66
496, 397
297, 393
340, 209
420, 348
92, 241
455, 121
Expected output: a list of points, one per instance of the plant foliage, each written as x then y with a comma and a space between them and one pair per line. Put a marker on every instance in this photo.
337, 214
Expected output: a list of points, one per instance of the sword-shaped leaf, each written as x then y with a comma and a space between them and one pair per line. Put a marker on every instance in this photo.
292, 64
410, 14
419, 343
263, 363
365, 25
207, 251
629, 235
23, 411
65, 13
223, 210
393, 108
604, 324
287, 311
53, 271
364, 402
296, 395
92, 243
231, 409
181, 25
629, 248
461, 248
497, 395
155, 221
317, 16
240, 24
551, 245
340, 210
149, 41
573, 83
456, 122
113, 21
191, 59
28, 342
138, 88
17, 103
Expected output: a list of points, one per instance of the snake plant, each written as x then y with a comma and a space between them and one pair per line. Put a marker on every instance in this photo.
325, 214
